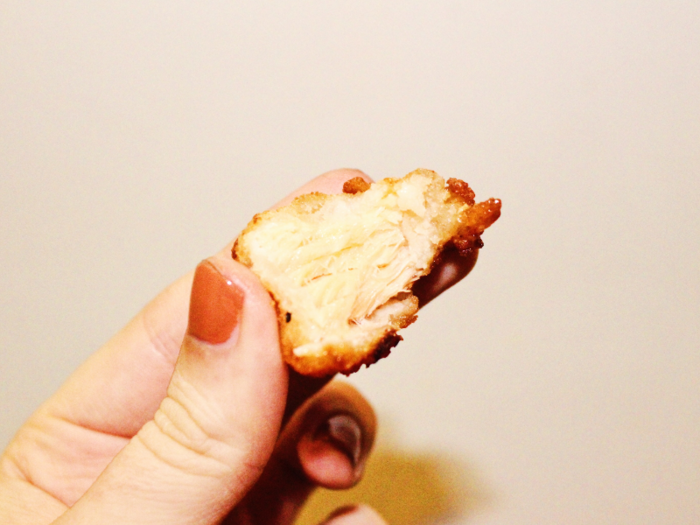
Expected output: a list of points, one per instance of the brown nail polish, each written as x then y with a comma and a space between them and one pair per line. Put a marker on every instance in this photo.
345, 433
215, 305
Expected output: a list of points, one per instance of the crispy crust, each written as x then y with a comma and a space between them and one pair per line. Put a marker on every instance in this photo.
460, 189
346, 356
355, 185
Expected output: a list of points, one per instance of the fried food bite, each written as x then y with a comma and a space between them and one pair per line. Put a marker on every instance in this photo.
340, 268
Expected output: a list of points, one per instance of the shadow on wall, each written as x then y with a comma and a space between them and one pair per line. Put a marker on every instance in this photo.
407, 489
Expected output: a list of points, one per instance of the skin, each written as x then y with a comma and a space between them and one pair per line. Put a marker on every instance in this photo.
159, 426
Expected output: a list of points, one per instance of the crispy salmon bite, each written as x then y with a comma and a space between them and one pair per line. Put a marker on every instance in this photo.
340, 268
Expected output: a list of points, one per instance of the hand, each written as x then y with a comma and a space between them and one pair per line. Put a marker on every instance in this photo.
183, 423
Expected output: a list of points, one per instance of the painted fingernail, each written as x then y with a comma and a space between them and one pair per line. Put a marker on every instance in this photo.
345, 433
215, 305
354, 514
341, 511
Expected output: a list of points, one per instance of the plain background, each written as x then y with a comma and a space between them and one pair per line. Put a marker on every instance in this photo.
136, 138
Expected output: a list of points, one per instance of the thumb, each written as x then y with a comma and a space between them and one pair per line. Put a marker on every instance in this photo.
215, 430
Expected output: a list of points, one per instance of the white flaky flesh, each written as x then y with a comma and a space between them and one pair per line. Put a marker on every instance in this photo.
343, 265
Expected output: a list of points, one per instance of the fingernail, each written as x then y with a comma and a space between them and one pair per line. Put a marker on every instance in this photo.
354, 514
341, 511
345, 433
215, 305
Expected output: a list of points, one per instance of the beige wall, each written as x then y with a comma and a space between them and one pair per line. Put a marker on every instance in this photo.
559, 384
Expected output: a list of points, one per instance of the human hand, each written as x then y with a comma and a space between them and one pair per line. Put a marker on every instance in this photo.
177, 425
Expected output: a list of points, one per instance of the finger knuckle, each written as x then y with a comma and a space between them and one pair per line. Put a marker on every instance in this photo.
191, 435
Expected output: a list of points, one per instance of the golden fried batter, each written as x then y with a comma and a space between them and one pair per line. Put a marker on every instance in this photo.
340, 268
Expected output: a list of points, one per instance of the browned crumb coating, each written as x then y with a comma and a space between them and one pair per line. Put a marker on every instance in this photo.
459, 188
475, 221
340, 268
355, 185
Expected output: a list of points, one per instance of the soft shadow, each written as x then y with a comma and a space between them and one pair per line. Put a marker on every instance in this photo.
407, 489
